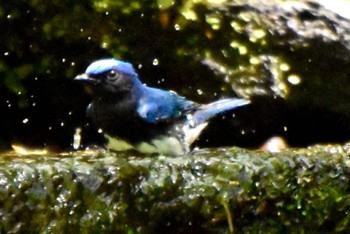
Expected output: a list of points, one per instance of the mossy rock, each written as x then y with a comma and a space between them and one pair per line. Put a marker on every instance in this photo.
209, 191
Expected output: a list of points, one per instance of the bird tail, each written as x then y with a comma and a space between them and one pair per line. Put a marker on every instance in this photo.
208, 111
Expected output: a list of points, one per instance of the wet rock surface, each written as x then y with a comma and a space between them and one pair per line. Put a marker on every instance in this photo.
209, 191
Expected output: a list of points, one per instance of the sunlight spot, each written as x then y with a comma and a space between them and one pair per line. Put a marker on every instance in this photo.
284, 67
104, 45
213, 21
259, 33
254, 60
294, 79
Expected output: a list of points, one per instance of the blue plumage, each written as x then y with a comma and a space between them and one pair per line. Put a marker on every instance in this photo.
157, 105
144, 118
105, 65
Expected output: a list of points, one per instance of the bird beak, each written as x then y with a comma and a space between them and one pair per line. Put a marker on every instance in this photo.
86, 79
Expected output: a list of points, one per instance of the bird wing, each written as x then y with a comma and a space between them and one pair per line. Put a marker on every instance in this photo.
160, 105
205, 112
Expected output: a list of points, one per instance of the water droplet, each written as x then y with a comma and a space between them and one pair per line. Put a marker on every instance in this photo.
199, 91
155, 62
6, 53
294, 79
72, 64
285, 67
62, 124
161, 81
26, 120
63, 60
177, 27
9, 16
77, 138
100, 130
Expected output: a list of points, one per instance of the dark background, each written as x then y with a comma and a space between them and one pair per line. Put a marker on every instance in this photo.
204, 52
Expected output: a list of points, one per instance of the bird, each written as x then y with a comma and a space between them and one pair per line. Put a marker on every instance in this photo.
133, 116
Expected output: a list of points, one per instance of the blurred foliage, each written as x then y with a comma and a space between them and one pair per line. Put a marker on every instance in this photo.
44, 45
51, 39
204, 50
237, 41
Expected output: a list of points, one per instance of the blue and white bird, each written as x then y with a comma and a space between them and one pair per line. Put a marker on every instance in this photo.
149, 120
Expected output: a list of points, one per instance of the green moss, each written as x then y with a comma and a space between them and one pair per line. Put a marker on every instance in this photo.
208, 191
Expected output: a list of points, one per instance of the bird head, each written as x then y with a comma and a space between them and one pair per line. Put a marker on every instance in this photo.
110, 75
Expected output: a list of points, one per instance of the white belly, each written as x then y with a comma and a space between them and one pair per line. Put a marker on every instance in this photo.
162, 145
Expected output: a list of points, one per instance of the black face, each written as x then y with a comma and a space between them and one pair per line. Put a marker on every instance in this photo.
112, 82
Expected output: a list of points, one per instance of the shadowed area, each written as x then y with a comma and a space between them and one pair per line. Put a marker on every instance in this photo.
291, 59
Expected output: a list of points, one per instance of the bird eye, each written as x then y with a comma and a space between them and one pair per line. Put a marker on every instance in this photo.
113, 75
